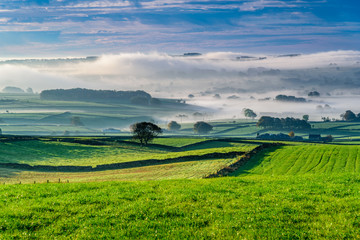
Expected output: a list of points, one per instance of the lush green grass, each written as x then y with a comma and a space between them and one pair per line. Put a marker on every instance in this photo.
306, 207
177, 141
37, 152
182, 170
305, 159
62, 153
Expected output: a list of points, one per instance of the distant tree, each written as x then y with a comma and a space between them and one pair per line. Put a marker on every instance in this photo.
326, 119
191, 96
233, 97
285, 98
173, 126
0, 131
76, 121
314, 94
217, 96
249, 113
265, 122
291, 134
198, 115
349, 116
29, 90
282, 123
305, 117
202, 128
144, 132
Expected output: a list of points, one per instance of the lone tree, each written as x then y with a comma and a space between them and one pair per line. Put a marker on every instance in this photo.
173, 126
305, 117
202, 128
145, 132
249, 113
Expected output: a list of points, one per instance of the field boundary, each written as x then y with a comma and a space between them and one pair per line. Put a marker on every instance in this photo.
243, 160
123, 165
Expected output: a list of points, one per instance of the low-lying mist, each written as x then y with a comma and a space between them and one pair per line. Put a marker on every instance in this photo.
226, 82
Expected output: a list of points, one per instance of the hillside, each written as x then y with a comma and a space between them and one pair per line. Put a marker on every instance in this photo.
304, 159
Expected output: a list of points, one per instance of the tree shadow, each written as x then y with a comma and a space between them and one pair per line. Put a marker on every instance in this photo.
254, 161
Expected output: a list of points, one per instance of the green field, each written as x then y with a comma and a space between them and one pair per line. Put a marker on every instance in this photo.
300, 207
58, 153
181, 170
305, 159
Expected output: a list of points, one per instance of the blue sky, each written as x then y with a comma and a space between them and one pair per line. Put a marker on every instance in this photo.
45, 28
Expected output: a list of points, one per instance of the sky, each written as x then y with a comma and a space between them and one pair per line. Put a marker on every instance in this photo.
64, 28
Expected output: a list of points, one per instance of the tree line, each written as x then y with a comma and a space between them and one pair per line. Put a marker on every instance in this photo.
282, 123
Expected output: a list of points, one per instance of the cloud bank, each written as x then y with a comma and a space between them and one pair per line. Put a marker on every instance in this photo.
223, 72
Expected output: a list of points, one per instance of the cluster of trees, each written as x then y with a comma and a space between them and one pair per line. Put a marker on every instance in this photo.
173, 126
282, 123
350, 116
285, 98
82, 94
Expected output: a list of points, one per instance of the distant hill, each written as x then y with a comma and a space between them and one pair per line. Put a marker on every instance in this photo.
10, 89
82, 94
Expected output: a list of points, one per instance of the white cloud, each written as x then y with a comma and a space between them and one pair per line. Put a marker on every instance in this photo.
261, 4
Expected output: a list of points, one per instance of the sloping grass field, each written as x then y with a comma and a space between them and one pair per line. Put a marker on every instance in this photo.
290, 191
305, 159
288, 207
43, 152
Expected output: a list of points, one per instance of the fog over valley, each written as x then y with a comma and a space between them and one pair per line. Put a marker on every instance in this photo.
224, 82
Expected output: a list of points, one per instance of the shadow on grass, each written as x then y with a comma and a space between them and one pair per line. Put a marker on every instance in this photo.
254, 161
6, 173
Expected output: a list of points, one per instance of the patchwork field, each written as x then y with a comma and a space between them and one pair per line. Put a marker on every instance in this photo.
304, 159
173, 160
60, 153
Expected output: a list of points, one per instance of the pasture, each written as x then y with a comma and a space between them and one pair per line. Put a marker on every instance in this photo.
303, 159
262, 207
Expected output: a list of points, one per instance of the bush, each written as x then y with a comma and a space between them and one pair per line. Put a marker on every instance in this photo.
174, 126
202, 128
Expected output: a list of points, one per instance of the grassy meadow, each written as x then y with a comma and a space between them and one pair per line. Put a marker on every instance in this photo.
261, 207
